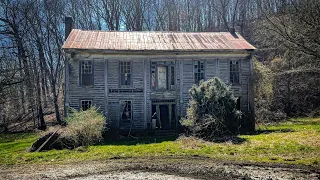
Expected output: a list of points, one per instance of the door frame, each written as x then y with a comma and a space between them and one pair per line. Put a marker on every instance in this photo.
170, 103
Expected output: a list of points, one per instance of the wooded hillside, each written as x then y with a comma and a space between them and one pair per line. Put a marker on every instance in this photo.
286, 33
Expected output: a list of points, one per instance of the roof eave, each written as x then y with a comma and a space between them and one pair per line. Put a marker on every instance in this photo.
110, 51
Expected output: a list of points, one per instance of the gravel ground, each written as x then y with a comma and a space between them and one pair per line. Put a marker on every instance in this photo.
133, 175
164, 168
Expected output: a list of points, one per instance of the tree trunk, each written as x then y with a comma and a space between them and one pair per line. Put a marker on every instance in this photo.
56, 105
43, 85
41, 124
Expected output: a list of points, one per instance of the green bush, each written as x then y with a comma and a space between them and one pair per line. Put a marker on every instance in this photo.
212, 110
263, 80
85, 127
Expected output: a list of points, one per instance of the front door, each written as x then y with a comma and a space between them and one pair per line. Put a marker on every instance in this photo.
164, 115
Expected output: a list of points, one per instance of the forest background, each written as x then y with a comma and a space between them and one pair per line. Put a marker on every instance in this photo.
285, 33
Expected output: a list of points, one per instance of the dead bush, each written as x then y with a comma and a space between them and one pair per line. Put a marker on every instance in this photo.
85, 127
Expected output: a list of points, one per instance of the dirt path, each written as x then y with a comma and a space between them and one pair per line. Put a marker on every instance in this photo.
166, 168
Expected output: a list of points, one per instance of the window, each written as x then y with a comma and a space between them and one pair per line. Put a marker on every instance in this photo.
153, 75
198, 71
126, 110
125, 73
172, 76
86, 104
86, 70
234, 72
162, 75
239, 103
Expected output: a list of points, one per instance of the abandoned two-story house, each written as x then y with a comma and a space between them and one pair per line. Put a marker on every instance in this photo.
140, 80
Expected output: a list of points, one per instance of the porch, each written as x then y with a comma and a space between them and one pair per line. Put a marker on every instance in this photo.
164, 115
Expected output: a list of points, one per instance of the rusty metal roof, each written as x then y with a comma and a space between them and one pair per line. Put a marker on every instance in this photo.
154, 40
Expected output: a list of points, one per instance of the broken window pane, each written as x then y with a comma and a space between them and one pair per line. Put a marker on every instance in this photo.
153, 77
86, 104
126, 109
125, 73
86, 67
198, 71
86, 73
234, 72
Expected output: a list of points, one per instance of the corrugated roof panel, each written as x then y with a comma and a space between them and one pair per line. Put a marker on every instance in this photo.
152, 40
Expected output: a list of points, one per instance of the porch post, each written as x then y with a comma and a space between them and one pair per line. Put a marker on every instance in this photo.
170, 114
158, 114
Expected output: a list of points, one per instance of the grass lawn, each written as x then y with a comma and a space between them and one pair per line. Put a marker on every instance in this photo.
296, 141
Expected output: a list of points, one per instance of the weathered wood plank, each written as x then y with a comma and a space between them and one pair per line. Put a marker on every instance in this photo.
107, 74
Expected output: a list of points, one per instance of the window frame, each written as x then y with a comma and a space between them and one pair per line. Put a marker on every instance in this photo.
120, 73
82, 100
194, 71
232, 71
121, 111
169, 77
81, 72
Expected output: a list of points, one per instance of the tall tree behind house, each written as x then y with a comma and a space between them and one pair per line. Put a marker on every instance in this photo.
31, 40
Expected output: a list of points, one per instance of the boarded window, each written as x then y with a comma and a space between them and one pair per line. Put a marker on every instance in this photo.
86, 73
86, 104
198, 71
234, 72
126, 110
125, 73
162, 75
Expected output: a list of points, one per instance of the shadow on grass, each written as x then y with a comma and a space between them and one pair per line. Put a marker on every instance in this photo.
141, 140
11, 137
230, 139
303, 122
268, 131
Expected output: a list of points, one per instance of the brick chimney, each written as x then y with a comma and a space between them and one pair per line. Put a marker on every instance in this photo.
68, 22
233, 32
68, 25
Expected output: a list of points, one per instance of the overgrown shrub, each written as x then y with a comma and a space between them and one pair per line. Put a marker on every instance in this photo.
85, 127
263, 93
212, 110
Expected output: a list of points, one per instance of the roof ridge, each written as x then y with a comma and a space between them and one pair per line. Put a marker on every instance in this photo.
155, 31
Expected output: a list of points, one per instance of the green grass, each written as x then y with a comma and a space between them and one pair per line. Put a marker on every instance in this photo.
296, 141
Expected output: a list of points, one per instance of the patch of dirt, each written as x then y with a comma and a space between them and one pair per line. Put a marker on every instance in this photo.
161, 168
133, 175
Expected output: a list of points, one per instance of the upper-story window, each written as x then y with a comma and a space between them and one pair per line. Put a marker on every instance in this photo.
86, 73
234, 72
163, 75
172, 75
198, 71
125, 73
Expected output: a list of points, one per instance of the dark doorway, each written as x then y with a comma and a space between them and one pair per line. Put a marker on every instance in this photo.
164, 114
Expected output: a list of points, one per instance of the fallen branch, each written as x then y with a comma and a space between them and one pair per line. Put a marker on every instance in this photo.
39, 149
